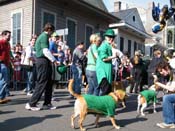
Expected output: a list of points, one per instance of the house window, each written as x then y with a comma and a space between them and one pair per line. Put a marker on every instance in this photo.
48, 17
135, 46
72, 29
139, 46
170, 38
16, 27
121, 44
89, 31
129, 47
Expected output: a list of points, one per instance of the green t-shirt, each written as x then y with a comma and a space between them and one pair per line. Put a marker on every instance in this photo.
41, 43
91, 63
105, 105
149, 95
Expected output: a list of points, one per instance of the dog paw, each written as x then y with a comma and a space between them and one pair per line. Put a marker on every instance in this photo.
73, 126
124, 107
155, 111
142, 114
83, 129
97, 125
117, 127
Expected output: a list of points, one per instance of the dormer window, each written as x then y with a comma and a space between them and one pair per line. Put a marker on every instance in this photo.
133, 18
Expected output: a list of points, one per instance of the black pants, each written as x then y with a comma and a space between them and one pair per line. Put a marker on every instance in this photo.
105, 87
137, 75
43, 83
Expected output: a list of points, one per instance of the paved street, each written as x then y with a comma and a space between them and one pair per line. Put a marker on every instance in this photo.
13, 116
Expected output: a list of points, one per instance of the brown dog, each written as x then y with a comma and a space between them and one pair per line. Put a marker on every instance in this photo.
118, 85
85, 104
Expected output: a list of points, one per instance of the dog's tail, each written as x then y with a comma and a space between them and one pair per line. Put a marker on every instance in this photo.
70, 88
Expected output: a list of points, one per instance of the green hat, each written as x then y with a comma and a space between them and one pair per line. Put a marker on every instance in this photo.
62, 69
54, 34
109, 32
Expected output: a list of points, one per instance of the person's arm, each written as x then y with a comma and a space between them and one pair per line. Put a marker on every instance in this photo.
169, 86
104, 55
45, 48
48, 54
109, 58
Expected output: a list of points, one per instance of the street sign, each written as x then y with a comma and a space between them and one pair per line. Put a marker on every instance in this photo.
62, 31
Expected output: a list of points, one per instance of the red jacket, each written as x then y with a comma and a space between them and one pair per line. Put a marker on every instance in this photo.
5, 52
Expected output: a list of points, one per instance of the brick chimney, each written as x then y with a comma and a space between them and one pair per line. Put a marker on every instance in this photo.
117, 6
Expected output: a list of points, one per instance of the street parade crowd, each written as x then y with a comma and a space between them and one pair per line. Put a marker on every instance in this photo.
94, 68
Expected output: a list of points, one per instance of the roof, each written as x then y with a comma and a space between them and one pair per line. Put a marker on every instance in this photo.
127, 15
97, 3
98, 7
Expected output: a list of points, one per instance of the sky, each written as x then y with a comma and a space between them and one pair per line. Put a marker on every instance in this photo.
138, 3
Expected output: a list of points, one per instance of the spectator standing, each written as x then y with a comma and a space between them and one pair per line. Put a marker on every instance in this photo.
4, 66
44, 71
64, 46
157, 58
92, 55
29, 60
68, 56
17, 68
53, 45
61, 55
62, 43
124, 67
117, 61
104, 63
136, 72
77, 65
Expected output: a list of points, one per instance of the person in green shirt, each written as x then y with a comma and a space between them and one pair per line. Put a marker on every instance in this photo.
44, 58
92, 55
104, 63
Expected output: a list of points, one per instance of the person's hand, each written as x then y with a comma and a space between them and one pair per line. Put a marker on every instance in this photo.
155, 77
85, 53
116, 54
56, 63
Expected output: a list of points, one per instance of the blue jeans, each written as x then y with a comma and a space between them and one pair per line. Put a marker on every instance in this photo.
77, 76
4, 81
169, 108
92, 83
29, 80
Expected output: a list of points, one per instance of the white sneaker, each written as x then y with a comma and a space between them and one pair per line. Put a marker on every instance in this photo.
29, 94
28, 107
164, 125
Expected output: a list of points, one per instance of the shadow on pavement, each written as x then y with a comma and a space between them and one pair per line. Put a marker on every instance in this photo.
121, 123
6, 112
23, 122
